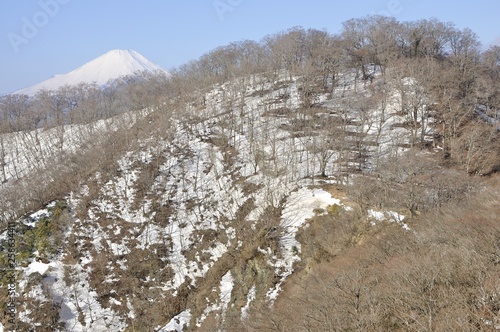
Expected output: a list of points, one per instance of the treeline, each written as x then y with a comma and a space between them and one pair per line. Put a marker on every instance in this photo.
446, 61
77, 104
452, 74
380, 40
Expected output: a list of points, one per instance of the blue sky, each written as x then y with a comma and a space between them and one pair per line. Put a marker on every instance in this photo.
41, 38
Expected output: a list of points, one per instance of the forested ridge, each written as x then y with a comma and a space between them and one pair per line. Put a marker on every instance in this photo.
309, 181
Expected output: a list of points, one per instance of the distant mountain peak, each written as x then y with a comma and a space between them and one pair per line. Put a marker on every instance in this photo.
109, 66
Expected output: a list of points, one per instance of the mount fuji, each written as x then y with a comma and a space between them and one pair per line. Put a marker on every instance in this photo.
109, 66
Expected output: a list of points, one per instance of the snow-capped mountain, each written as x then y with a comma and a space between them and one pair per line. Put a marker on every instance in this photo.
112, 65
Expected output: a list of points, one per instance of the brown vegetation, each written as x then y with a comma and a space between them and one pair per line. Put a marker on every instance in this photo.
442, 275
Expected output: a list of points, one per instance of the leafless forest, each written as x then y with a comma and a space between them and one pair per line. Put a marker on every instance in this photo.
383, 115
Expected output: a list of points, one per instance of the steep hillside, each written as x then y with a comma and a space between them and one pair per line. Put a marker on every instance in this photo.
238, 198
219, 200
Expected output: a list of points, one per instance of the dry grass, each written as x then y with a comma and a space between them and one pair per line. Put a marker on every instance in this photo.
386, 281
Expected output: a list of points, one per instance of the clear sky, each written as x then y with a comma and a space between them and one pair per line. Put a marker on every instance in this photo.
41, 38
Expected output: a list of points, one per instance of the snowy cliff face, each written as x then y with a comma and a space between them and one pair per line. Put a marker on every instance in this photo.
202, 224
110, 66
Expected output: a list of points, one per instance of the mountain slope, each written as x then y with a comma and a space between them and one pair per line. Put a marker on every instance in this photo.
211, 220
112, 65
201, 214
310, 192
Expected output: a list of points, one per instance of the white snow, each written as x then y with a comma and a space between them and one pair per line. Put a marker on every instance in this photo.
205, 313
178, 322
36, 267
391, 216
377, 215
250, 298
226, 287
33, 151
34, 217
300, 206
202, 193
79, 295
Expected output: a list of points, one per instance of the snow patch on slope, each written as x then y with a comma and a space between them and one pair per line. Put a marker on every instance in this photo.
391, 216
300, 206
226, 287
250, 298
178, 322
36, 267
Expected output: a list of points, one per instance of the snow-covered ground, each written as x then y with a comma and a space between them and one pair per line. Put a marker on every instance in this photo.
178, 322
391, 216
189, 214
33, 151
300, 207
